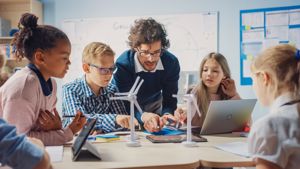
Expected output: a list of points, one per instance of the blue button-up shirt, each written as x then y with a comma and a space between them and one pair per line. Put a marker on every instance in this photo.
77, 95
16, 151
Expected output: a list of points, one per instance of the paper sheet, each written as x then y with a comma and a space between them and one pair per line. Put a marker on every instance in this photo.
279, 32
254, 35
294, 36
255, 19
246, 68
277, 18
55, 153
294, 17
239, 148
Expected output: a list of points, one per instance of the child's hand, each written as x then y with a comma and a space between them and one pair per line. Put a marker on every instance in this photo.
78, 122
49, 121
180, 115
124, 121
228, 87
152, 122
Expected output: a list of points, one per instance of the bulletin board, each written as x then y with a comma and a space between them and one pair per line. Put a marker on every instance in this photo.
192, 36
262, 28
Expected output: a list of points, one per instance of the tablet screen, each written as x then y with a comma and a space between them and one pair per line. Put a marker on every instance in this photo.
173, 138
80, 140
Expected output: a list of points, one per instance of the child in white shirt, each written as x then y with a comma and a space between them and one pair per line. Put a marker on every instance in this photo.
274, 140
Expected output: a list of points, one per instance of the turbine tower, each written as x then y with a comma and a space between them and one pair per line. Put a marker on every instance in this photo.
132, 98
191, 102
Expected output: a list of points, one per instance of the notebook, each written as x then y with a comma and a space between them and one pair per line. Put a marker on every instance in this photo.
83, 149
224, 116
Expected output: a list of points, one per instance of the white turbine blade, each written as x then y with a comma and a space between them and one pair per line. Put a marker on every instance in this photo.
178, 95
138, 106
119, 98
195, 104
138, 87
134, 85
122, 94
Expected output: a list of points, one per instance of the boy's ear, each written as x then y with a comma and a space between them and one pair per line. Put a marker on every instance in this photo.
86, 68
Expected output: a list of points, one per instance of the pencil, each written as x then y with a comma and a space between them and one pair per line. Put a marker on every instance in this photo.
70, 116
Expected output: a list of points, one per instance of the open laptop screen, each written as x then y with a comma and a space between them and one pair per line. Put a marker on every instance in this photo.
224, 116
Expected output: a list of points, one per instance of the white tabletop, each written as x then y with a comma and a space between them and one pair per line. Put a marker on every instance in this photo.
164, 155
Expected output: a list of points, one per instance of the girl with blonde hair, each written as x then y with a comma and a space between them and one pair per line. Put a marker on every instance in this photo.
274, 140
215, 84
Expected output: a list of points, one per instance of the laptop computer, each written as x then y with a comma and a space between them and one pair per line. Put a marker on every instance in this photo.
224, 116
83, 149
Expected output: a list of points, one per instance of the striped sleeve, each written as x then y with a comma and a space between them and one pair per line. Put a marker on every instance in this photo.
105, 122
71, 103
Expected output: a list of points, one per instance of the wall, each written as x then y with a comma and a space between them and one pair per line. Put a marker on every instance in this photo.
55, 11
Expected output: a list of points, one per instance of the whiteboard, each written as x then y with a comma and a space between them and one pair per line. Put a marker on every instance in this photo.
192, 36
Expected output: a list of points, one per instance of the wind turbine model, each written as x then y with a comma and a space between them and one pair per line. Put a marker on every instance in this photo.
191, 101
131, 97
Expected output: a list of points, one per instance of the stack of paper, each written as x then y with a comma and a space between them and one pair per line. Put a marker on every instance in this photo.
55, 153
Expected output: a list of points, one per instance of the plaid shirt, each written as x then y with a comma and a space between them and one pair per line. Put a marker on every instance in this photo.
77, 95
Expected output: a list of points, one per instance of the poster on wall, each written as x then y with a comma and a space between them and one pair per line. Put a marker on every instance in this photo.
263, 28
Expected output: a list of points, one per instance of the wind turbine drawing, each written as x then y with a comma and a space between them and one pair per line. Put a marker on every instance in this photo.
132, 98
191, 102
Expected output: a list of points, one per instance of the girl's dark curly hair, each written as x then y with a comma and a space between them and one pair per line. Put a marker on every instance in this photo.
146, 31
32, 36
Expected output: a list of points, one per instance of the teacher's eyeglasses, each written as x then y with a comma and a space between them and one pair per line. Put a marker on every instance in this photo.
104, 71
154, 54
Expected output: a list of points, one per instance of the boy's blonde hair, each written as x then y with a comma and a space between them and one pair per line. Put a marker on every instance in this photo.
282, 64
201, 91
94, 50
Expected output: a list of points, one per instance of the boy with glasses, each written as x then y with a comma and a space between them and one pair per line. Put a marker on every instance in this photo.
90, 93
149, 59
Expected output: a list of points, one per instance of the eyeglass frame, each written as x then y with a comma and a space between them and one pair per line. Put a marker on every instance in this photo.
155, 54
108, 71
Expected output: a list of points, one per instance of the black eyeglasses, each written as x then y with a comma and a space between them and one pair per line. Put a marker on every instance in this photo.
104, 71
154, 54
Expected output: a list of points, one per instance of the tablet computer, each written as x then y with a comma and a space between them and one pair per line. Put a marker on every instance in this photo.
173, 138
81, 145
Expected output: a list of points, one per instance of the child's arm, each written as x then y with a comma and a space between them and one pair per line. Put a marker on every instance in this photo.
53, 137
21, 113
106, 121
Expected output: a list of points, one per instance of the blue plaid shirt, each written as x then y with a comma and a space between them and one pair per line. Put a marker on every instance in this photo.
77, 95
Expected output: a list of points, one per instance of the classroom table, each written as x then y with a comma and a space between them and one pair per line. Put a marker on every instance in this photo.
164, 155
